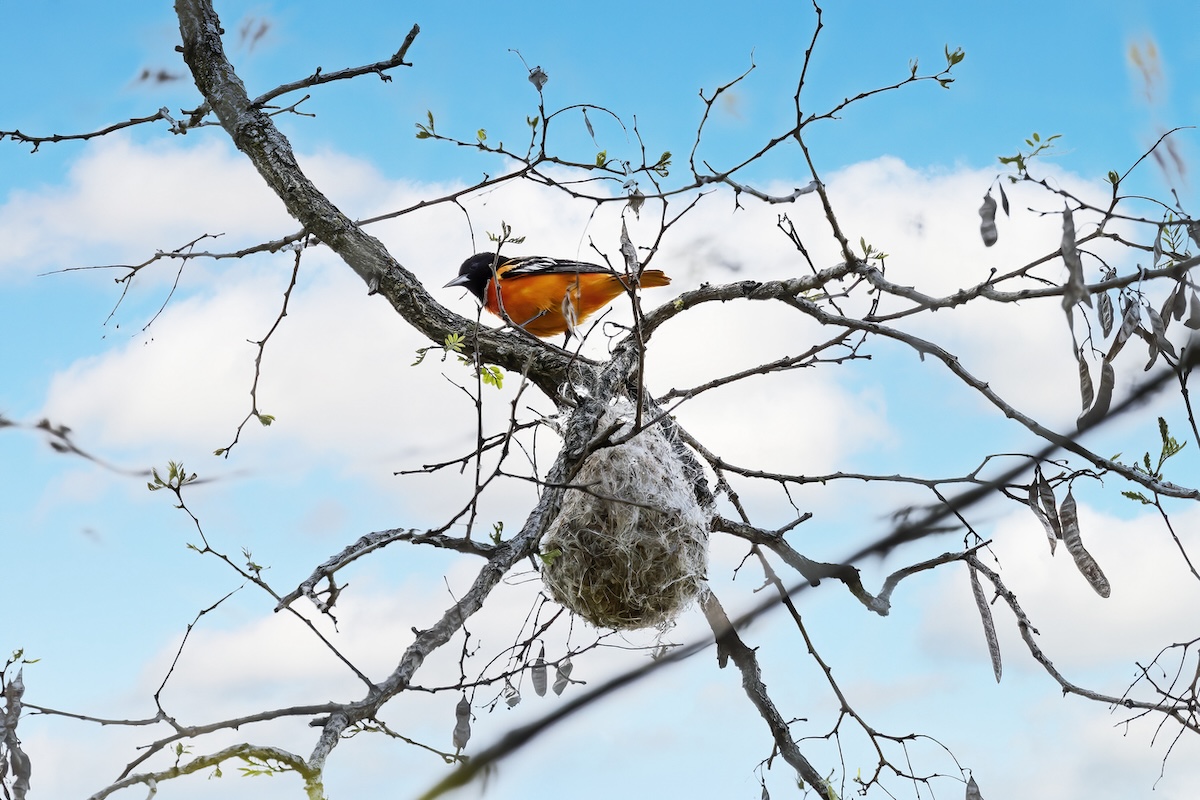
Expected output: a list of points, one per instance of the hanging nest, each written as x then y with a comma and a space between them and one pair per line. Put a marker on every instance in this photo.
632, 550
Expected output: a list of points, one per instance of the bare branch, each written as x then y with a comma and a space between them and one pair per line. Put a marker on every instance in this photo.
38, 141
731, 647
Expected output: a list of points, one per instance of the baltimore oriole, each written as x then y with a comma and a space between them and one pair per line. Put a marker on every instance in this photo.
545, 296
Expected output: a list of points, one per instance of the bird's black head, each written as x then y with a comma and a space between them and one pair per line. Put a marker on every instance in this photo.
474, 274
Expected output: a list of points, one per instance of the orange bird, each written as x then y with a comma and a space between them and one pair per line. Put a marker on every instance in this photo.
545, 296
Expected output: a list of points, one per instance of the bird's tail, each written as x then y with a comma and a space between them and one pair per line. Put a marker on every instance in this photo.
652, 278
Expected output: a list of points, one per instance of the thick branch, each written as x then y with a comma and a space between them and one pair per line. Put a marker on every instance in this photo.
731, 646
253, 132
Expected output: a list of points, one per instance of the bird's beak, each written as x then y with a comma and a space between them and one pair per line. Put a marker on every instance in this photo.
461, 280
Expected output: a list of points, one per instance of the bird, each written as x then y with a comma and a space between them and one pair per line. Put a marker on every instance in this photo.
545, 296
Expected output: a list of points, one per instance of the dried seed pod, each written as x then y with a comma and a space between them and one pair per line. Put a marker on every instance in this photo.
1131, 316
462, 723
1099, 409
1074, 542
1106, 314
1086, 392
1193, 320
1046, 494
538, 673
989, 625
1042, 518
1175, 306
562, 675
1076, 289
987, 226
1157, 327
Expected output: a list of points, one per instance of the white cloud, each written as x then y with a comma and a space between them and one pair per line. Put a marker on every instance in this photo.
1067, 746
124, 200
1152, 595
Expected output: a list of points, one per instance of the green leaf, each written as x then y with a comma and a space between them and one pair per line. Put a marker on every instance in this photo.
1170, 445
425, 131
266, 419
481, 135
492, 376
663, 164
601, 158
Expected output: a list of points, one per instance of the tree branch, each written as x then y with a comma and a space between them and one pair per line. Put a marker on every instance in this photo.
253, 132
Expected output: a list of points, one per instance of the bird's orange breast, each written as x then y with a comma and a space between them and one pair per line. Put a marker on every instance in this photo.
543, 303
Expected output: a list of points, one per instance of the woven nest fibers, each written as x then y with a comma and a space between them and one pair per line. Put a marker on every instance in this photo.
631, 551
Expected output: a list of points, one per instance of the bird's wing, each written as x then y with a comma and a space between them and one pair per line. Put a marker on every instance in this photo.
543, 265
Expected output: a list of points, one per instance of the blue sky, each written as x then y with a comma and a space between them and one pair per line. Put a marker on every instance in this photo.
102, 581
